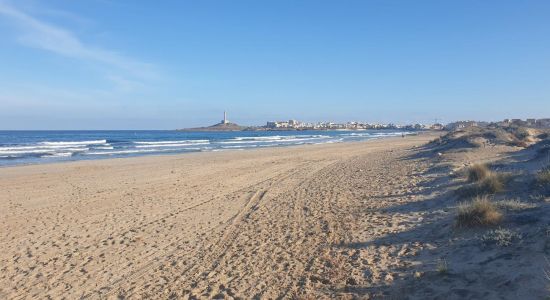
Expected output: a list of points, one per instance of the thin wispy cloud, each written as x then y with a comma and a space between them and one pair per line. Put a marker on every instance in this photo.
39, 34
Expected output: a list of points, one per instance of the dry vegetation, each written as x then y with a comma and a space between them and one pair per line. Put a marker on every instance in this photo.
478, 172
442, 267
514, 205
478, 212
500, 237
468, 139
492, 184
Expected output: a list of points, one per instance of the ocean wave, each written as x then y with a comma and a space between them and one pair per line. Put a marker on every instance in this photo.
121, 152
257, 138
277, 137
171, 142
160, 145
44, 151
74, 143
76, 147
59, 154
357, 134
286, 140
39, 147
130, 151
245, 142
330, 142
10, 157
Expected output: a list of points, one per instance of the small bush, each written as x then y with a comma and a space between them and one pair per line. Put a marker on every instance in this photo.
500, 237
493, 184
478, 212
490, 185
442, 267
478, 172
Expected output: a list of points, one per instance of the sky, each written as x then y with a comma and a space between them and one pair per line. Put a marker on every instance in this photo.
128, 64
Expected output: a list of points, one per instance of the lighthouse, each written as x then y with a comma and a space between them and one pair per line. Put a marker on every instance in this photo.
224, 121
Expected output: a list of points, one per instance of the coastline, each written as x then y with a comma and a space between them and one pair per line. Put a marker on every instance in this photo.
199, 152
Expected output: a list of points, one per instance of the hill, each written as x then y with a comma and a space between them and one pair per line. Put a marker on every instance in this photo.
218, 127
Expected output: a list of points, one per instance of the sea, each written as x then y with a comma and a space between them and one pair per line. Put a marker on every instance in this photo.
35, 147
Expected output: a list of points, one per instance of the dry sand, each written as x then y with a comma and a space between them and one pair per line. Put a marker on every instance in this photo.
300, 222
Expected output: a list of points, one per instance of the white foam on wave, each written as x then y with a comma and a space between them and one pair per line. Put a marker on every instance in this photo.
59, 154
245, 142
171, 142
74, 143
258, 138
330, 142
357, 134
159, 145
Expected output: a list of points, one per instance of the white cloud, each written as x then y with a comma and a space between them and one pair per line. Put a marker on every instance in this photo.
43, 35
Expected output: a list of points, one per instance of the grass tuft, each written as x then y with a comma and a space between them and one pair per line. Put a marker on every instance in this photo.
442, 267
478, 212
478, 172
490, 185
493, 184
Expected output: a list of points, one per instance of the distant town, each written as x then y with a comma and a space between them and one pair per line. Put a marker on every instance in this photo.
297, 125
294, 124
225, 125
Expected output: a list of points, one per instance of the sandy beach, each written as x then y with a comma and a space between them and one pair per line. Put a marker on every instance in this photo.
351, 220
241, 223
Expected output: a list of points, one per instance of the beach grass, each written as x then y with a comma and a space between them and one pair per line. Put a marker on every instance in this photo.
478, 212
492, 184
477, 172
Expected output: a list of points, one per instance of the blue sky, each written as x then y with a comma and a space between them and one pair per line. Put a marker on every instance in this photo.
106, 64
